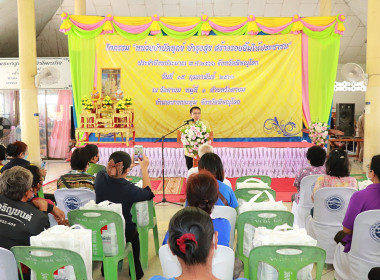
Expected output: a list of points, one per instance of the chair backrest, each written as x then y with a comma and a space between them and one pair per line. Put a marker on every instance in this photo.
264, 178
366, 236
306, 190
151, 213
8, 266
247, 193
96, 220
134, 179
330, 205
228, 213
72, 199
222, 263
52, 260
287, 259
265, 218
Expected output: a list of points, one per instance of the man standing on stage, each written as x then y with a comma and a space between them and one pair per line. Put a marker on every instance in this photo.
195, 115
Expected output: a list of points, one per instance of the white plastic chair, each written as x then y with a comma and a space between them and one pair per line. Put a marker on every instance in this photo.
228, 213
330, 206
222, 263
302, 209
72, 199
365, 248
8, 265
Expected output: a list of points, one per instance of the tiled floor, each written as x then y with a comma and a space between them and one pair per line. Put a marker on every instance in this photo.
164, 213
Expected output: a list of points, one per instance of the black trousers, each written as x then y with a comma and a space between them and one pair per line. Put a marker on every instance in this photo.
189, 162
133, 237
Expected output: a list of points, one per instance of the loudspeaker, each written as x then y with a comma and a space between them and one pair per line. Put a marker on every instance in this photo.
345, 116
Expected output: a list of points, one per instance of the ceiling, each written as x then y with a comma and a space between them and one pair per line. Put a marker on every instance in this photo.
52, 43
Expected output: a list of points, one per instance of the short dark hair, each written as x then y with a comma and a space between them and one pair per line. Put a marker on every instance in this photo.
16, 148
3, 152
121, 156
92, 150
15, 182
195, 221
79, 159
375, 165
202, 191
316, 155
36, 174
193, 108
212, 162
337, 163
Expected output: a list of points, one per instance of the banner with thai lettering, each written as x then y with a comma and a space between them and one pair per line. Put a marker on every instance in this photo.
246, 86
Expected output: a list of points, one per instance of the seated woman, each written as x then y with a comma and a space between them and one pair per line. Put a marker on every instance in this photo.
212, 163
58, 214
202, 192
193, 240
337, 172
316, 157
18, 151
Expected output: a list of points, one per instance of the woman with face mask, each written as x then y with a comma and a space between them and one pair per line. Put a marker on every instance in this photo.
19, 153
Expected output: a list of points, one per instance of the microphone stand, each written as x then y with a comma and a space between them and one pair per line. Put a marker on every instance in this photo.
162, 139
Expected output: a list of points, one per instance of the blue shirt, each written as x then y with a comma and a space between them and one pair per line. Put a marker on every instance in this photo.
221, 225
228, 194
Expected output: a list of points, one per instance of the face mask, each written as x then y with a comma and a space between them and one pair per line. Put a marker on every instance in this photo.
30, 199
25, 156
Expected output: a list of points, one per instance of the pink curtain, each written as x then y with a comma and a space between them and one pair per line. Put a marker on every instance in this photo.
60, 135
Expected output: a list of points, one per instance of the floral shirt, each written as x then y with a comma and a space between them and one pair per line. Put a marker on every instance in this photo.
306, 171
334, 182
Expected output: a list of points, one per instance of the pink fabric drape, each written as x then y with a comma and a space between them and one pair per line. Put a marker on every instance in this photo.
305, 79
60, 135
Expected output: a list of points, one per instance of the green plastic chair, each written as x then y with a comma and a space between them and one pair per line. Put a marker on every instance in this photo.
41, 193
247, 193
45, 266
265, 179
287, 264
144, 232
359, 177
265, 218
95, 220
134, 179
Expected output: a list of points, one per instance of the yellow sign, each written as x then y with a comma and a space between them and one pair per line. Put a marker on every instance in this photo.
246, 86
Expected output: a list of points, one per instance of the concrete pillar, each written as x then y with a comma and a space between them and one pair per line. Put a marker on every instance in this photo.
28, 69
325, 8
372, 96
80, 7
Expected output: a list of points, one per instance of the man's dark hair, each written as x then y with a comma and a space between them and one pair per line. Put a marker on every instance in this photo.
316, 155
79, 159
202, 191
194, 221
193, 108
121, 156
3, 152
212, 162
36, 174
375, 165
92, 150
337, 164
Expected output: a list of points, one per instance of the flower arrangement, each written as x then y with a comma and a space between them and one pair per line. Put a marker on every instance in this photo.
89, 105
107, 101
192, 136
120, 105
318, 132
128, 100
85, 100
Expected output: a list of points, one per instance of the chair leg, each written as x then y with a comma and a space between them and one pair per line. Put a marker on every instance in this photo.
131, 263
246, 268
156, 242
144, 242
110, 269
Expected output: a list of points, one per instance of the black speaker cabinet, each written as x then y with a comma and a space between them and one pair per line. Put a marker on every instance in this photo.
345, 117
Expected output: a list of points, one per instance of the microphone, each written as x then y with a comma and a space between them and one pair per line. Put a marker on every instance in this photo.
189, 120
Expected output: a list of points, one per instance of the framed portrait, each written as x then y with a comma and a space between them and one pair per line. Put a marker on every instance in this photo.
110, 81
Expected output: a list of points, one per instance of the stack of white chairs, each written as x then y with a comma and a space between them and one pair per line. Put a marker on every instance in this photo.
8, 266
228, 213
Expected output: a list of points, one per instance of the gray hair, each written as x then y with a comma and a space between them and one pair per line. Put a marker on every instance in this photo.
204, 149
15, 182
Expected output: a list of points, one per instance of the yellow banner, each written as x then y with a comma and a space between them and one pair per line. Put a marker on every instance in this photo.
246, 86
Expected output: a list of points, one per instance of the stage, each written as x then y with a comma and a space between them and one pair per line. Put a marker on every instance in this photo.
275, 159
